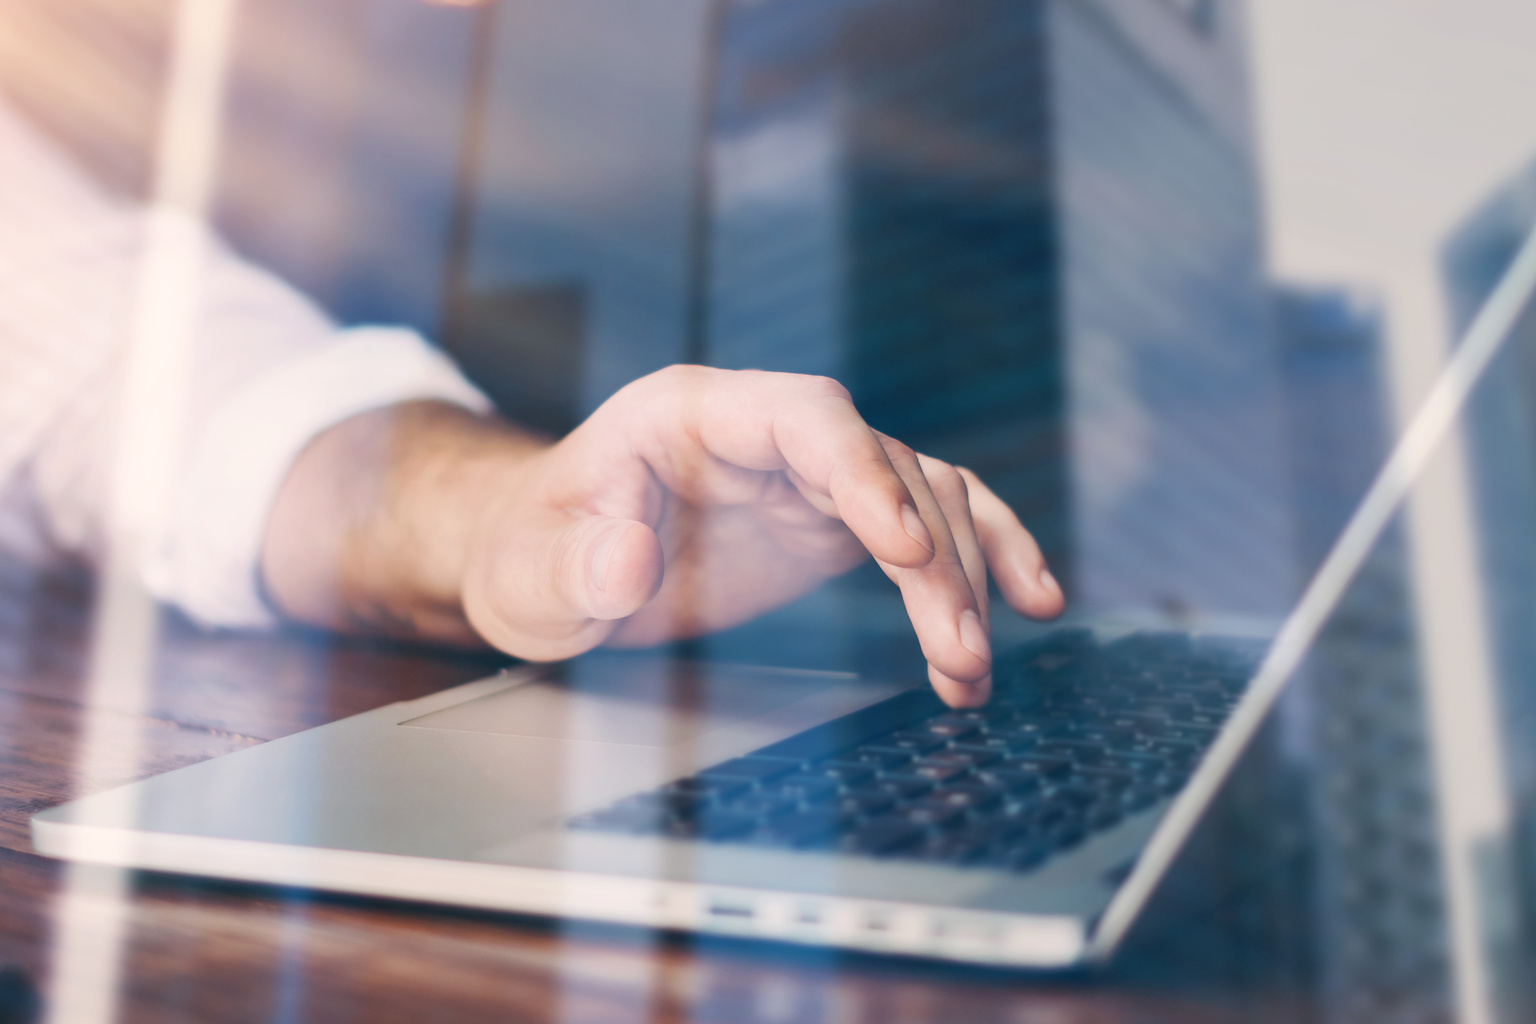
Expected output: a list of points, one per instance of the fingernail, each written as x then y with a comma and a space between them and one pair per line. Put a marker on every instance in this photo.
602, 555
916, 528
1048, 581
973, 637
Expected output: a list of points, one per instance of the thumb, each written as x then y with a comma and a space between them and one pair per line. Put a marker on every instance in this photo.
607, 568
555, 592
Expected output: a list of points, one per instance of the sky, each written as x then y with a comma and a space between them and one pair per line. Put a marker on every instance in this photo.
1383, 124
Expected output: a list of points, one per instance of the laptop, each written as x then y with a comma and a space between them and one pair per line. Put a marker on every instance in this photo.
842, 809
813, 807
794, 805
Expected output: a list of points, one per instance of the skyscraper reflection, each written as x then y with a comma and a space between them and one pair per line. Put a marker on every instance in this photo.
1357, 709
1026, 236
1501, 442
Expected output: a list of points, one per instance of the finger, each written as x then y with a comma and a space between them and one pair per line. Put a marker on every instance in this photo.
1013, 555
951, 490
558, 591
940, 597
958, 693
776, 421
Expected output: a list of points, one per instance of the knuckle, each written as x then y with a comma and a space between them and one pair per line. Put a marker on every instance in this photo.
659, 386
895, 450
678, 375
974, 486
825, 387
944, 478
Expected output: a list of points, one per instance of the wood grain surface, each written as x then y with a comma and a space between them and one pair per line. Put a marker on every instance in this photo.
198, 951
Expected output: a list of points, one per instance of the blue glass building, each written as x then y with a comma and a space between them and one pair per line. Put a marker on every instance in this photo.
1354, 718
1026, 235
1501, 445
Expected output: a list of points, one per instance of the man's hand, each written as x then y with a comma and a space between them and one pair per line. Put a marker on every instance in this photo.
691, 501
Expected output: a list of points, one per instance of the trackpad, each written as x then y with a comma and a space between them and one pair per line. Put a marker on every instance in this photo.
657, 702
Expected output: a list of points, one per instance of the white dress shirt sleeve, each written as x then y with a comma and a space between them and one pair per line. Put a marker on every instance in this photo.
268, 373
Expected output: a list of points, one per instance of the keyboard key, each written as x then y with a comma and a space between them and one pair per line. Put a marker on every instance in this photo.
882, 835
1044, 765
1031, 725
1019, 814
882, 759
916, 743
996, 715
1141, 723
865, 804
904, 787
1174, 705
938, 772
1139, 797
1212, 701
805, 828
1102, 778
1050, 815
1106, 736
995, 831
1074, 795
962, 754
932, 814
968, 797
845, 774
717, 824
805, 788
956, 848
1135, 761
951, 727
1076, 750
751, 769
673, 805
710, 787
1010, 780
1199, 736
1174, 749
763, 806
1006, 743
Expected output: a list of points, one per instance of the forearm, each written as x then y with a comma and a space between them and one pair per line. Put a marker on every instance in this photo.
371, 529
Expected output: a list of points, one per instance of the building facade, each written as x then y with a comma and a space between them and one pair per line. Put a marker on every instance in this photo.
1026, 235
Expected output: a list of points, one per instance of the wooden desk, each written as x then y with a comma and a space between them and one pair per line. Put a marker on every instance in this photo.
197, 951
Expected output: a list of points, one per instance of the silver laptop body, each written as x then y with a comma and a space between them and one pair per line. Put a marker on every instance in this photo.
464, 797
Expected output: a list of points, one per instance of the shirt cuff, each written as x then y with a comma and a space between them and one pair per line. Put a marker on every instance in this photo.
209, 562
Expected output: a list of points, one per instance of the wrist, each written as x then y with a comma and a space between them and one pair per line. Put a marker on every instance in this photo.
374, 527
451, 474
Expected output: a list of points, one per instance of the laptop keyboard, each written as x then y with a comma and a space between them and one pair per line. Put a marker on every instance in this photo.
1077, 736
